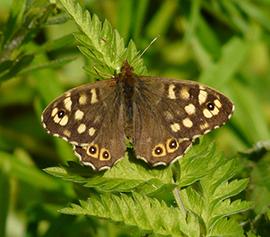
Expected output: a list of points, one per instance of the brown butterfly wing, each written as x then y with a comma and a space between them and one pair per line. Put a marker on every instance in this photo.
169, 114
90, 118
108, 146
153, 142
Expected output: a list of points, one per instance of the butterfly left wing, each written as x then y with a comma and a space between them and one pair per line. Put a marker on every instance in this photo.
169, 114
89, 117
77, 115
108, 147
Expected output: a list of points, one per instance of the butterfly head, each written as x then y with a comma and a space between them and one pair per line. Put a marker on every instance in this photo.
126, 70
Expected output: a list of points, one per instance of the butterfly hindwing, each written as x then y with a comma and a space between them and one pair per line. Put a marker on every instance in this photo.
107, 147
177, 112
153, 142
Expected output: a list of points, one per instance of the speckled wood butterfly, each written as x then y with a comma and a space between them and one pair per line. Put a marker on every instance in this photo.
160, 116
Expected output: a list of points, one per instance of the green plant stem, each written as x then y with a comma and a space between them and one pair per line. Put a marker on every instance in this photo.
177, 197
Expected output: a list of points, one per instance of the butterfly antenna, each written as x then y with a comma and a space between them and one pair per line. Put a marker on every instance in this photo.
152, 42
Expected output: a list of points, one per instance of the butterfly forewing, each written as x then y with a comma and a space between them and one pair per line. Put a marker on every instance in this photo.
78, 114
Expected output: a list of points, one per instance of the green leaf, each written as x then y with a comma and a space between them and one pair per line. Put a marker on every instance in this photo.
51, 64
59, 43
28, 173
146, 213
206, 191
125, 176
162, 19
226, 227
251, 234
124, 18
232, 55
100, 43
15, 19
249, 117
140, 14
195, 164
260, 183
255, 12
4, 201
209, 198
17, 65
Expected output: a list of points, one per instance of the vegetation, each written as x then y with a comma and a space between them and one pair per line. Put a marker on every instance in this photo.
220, 188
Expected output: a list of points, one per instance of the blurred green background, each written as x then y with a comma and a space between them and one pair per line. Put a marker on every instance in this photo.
224, 44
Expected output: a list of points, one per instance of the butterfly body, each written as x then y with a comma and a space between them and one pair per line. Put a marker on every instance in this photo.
160, 116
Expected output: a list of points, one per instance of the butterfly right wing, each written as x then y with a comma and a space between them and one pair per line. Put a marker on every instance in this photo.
169, 114
87, 117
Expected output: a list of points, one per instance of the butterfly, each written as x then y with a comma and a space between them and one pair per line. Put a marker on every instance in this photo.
160, 116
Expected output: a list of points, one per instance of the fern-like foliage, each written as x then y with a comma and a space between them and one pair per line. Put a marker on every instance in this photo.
128, 176
146, 213
124, 177
101, 44
205, 184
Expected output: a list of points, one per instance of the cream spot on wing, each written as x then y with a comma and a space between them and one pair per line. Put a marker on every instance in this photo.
175, 127
207, 113
56, 119
201, 87
184, 94
94, 96
217, 103
180, 140
171, 92
67, 103
190, 109
54, 112
187, 123
204, 126
79, 114
91, 131
196, 136
82, 99
64, 121
215, 111
81, 128
67, 133
202, 96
